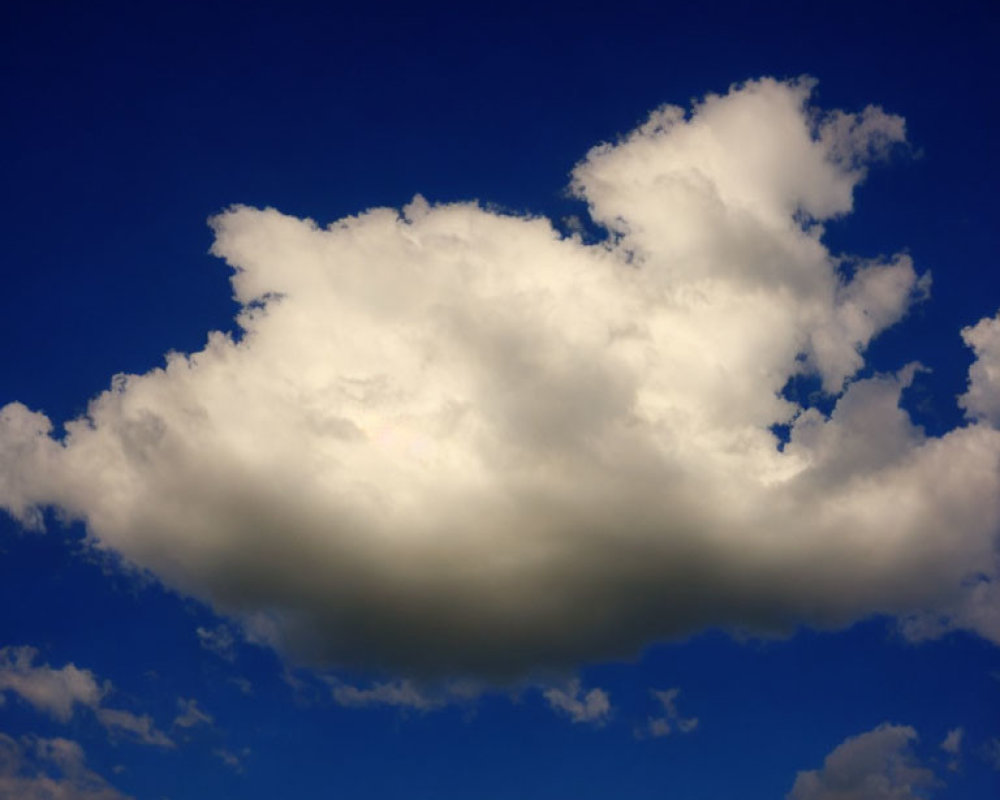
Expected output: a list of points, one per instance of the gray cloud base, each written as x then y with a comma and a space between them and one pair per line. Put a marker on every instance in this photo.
452, 441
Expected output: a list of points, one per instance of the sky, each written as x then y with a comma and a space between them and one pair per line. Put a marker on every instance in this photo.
499, 402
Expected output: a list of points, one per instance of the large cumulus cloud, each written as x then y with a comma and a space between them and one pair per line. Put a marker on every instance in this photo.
455, 441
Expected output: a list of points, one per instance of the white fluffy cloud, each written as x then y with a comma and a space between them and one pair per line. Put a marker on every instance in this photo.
877, 765
49, 769
452, 441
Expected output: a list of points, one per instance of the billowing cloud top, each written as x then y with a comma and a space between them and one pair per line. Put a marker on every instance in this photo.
453, 441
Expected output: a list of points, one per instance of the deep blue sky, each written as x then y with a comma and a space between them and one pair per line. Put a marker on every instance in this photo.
127, 125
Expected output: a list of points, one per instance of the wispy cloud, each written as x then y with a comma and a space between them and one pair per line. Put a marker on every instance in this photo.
403, 694
32, 768
191, 715
991, 752
232, 760
219, 640
952, 745
137, 727
670, 720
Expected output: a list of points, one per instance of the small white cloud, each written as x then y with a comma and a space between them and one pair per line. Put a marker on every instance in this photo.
593, 706
33, 768
877, 765
670, 720
191, 715
53, 691
139, 728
